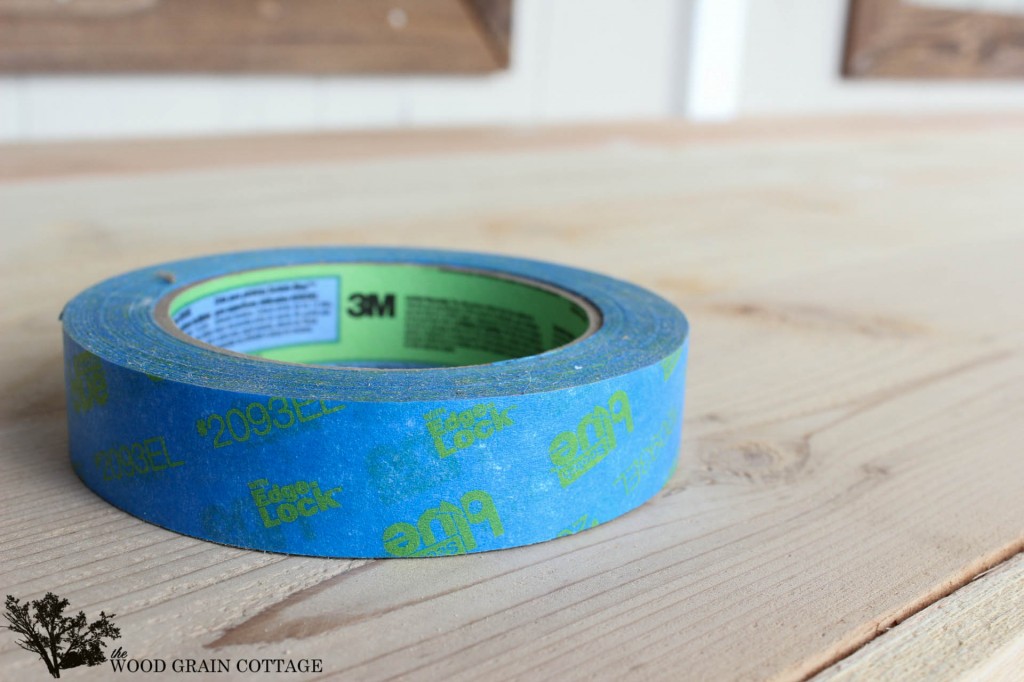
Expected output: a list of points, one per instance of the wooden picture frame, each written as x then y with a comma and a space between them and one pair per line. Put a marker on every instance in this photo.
255, 36
903, 39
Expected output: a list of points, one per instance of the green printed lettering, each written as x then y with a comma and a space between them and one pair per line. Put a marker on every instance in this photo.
563, 448
401, 539
124, 458
306, 506
623, 412
445, 529
435, 428
102, 463
124, 455
267, 521
88, 382
279, 504
286, 512
668, 365
483, 429
204, 426
260, 423
238, 426
139, 458
582, 523
641, 465
463, 439
240, 435
153, 455
159, 440
283, 410
604, 434
325, 500
442, 449
453, 431
257, 492
135, 459
299, 404
501, 419
574, 453
328, 409
452, 524
486, 511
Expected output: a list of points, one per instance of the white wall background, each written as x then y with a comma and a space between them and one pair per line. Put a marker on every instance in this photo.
573, 60
793, 55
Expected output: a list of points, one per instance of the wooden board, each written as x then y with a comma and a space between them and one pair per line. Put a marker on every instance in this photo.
975, 633
854, 418
301, 36
26, 162
904, 39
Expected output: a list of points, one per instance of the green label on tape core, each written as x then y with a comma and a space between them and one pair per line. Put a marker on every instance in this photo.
380, 314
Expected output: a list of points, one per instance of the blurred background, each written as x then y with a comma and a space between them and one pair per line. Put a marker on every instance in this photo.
79, 69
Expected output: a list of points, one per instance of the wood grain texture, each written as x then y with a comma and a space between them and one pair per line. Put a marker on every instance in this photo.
275, 36
901, 39
852, 441
31, 161
974, 634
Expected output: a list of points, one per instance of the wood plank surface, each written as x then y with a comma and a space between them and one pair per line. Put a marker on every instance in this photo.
855, 408
27, 161
266, 36
975, 633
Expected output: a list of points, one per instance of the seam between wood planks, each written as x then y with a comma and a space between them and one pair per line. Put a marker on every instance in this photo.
975, 570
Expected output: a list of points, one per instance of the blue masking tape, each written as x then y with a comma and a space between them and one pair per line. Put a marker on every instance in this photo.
373, 402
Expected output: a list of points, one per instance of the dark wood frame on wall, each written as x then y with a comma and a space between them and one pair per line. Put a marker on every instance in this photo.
899, 39
255, 36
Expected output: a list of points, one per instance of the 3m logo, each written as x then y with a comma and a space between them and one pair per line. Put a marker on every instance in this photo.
445, 529
574, 453
371, 305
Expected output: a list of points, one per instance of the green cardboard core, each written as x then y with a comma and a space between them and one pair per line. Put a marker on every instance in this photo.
378, 315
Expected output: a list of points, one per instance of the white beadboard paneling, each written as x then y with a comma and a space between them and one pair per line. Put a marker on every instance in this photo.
571, 60
12, 105
491, 99
504, 97
792, 66
270, 103
58, 107
715, 60
363, 102
609, 59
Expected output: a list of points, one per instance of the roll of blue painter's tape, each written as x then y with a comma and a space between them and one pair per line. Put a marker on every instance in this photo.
373, 402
